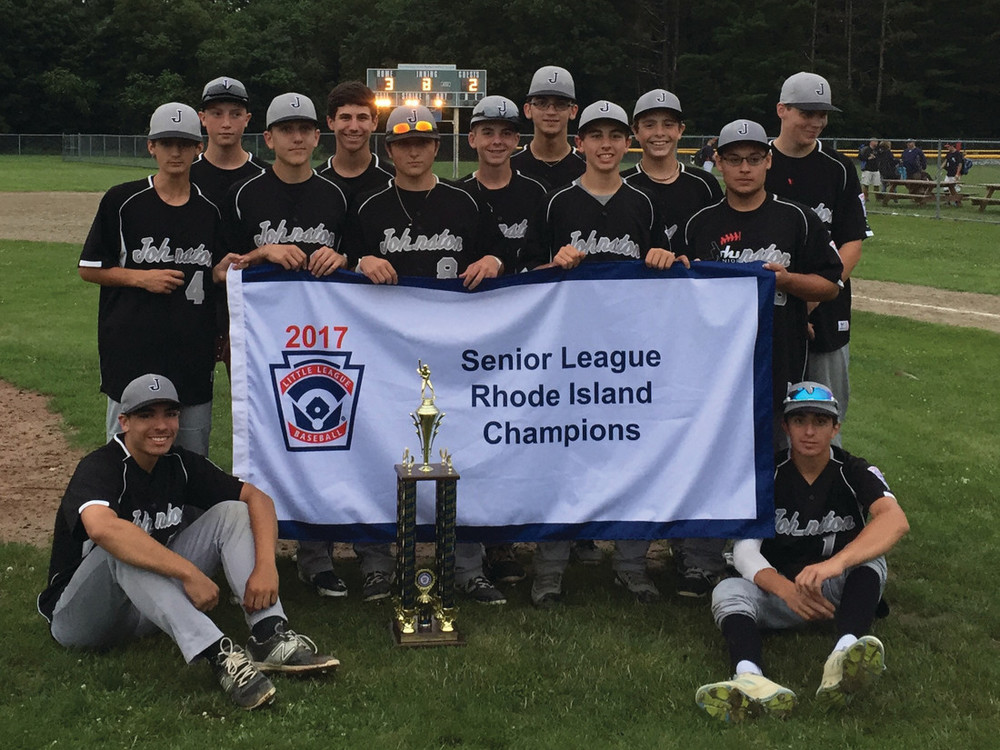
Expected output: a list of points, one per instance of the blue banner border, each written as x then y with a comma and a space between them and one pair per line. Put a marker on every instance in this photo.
761, 526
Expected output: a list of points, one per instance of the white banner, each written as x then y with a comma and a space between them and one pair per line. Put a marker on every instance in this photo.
609, 402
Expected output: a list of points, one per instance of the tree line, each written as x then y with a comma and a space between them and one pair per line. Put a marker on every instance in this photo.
895, 66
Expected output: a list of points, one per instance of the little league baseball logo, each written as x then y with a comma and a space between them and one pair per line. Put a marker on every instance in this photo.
316, 395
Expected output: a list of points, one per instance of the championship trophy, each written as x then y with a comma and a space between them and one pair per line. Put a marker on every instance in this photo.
425, 605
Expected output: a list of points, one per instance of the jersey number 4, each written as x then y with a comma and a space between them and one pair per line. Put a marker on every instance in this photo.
195, 291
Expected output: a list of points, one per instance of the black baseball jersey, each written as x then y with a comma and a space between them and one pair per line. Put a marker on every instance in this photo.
376, 176
265, 210
813, 522
779, 231
153, 501
433, 233
953, 162
216, 182
552, 175
679, 200
139, 331
828, 183
624, 227
513, 206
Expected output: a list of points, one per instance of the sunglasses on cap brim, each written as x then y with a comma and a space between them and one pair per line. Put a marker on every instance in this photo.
421, 126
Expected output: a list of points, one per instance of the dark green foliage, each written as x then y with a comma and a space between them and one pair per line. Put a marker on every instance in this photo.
894, 65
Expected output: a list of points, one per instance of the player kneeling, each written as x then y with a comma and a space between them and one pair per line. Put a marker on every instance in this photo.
835, 518
126, 562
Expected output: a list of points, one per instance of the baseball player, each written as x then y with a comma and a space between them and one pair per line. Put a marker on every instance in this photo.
807, 171
221, 165
152, 249
598, 217
753, 225
224, 162
513, 199
421, 226
550, 105
124, 563
835, 519
291, 216
352, 116
678, 192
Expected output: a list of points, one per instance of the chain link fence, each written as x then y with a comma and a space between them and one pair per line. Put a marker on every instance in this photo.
976, 197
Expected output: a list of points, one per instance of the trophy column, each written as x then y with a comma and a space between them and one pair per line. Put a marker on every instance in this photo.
425, 606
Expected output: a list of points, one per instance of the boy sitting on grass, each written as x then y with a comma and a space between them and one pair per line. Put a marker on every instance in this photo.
835, 519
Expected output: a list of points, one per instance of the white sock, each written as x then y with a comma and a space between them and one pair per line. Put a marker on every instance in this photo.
846, 641
745, 666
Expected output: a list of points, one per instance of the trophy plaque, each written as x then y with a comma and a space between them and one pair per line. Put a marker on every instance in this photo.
425, 604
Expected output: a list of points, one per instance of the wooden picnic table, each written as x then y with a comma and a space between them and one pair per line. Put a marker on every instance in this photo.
988, 199
919, 191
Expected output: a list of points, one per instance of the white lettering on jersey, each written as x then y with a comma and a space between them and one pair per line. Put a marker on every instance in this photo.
443, 240
514, 231
825, 214
163, 253
670, 231
770, 254
829, 524
172, 516
282, 235
595, 244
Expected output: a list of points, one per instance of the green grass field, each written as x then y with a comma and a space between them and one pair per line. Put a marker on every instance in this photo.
602, 671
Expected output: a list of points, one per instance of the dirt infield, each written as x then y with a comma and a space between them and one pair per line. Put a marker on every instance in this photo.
36, 462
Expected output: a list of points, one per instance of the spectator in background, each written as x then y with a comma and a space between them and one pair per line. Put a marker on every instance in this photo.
914, 163
888, 164
953, 159
706, 156
870, 176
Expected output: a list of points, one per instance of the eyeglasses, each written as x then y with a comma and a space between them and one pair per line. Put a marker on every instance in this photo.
558, 104
405, 127
754, 160
809, 393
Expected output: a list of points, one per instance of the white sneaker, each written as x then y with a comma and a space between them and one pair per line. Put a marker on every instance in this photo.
745, 696
850, 670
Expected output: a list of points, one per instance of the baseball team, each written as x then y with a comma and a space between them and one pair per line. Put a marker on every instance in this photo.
147, 519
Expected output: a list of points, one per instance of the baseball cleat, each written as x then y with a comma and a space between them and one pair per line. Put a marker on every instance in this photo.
246, 686
851, 670
289, 652
746, 696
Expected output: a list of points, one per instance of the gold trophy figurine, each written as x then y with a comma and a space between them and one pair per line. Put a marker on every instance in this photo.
427, 418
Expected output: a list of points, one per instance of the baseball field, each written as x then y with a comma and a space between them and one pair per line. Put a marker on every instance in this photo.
602, 670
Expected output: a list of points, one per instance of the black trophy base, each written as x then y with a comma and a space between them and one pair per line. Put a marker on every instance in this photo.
427, 634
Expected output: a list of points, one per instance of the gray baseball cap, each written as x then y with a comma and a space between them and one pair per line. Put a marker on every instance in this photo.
147, 390
657, 99
551, 80
411, 122
175, 120
742, 131
807, 91
224, 90
809, 396
290, 106
603, 110
496, 109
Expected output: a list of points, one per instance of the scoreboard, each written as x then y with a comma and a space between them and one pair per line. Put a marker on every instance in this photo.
434, 86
